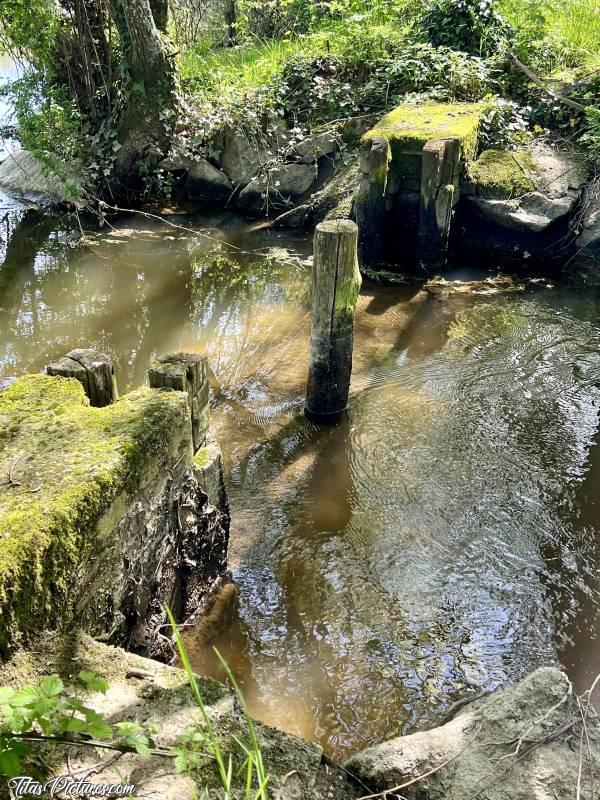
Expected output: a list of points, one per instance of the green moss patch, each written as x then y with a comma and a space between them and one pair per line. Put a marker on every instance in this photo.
409, 127
62, 464
500, 174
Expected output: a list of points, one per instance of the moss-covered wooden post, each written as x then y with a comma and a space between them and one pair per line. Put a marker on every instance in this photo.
335, 287
186, 372
94, 370
371, 202
439, 195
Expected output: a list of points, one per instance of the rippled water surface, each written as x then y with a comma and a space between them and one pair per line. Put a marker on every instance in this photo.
441, 539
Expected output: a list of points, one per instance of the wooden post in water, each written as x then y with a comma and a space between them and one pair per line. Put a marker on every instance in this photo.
94, 370
186, 372
371, 202
439, 195
335, 286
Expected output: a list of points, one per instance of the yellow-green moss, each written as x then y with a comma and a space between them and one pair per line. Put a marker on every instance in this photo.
408, 127
501, 174
69, 462
204, 457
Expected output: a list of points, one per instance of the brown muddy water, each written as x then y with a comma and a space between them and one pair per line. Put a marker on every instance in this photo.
442, 539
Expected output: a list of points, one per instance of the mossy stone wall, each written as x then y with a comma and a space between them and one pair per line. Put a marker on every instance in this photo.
69, 473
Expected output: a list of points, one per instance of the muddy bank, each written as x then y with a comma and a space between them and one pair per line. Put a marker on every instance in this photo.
533, 739
146, 692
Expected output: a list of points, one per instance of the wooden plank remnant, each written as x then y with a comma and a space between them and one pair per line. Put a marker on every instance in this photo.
186, 372
371, 202
93, 369
439, 194
335, 286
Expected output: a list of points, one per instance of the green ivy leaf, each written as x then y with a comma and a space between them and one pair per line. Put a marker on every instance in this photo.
99, 730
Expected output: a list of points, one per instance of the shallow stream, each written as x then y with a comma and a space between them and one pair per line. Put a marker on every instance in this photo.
440, 540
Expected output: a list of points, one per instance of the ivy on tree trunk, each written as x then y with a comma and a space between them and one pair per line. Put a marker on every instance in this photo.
146, 123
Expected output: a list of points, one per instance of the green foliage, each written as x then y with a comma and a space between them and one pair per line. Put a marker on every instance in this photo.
591, 137
504, 124
29, 27
331, 87
48, 711
49, 124
566, 30
472, 26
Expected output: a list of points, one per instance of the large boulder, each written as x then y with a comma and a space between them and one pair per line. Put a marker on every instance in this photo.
207, 185
23, 175
283, 187
526, 191
241, 158
315, 146
334, 200
525, 742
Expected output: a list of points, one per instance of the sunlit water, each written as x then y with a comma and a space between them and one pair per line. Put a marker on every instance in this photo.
441, 539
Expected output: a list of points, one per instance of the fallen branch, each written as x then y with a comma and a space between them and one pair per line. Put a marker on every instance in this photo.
79, 742
539, 82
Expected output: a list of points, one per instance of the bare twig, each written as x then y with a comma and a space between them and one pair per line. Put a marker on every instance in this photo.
10, 481
432, 771
34, 737
539, 82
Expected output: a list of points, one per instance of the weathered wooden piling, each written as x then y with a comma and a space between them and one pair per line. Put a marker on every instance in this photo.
439, 195
371, 201
186, 372
94, 370
335, 286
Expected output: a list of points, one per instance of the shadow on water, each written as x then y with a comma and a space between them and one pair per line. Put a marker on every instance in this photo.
440, 539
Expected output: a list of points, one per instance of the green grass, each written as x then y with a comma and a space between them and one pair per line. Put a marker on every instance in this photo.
572, 25
575, 24
253, 769
247, 66
217, 72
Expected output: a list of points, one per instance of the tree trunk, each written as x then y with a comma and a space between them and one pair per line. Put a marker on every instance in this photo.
160, 12
146, 125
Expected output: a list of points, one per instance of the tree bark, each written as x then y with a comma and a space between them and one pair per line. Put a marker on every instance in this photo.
160, 12
145, 130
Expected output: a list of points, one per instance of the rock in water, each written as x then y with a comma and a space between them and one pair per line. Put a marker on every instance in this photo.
523, 742
208, 185
22, 174
283, 188
526, 191
588, 240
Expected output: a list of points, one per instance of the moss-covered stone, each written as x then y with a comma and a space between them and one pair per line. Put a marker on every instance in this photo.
408, 127
501, 174
64, 466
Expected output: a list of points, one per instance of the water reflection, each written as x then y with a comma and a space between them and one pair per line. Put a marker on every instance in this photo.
440, 539
391, 563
